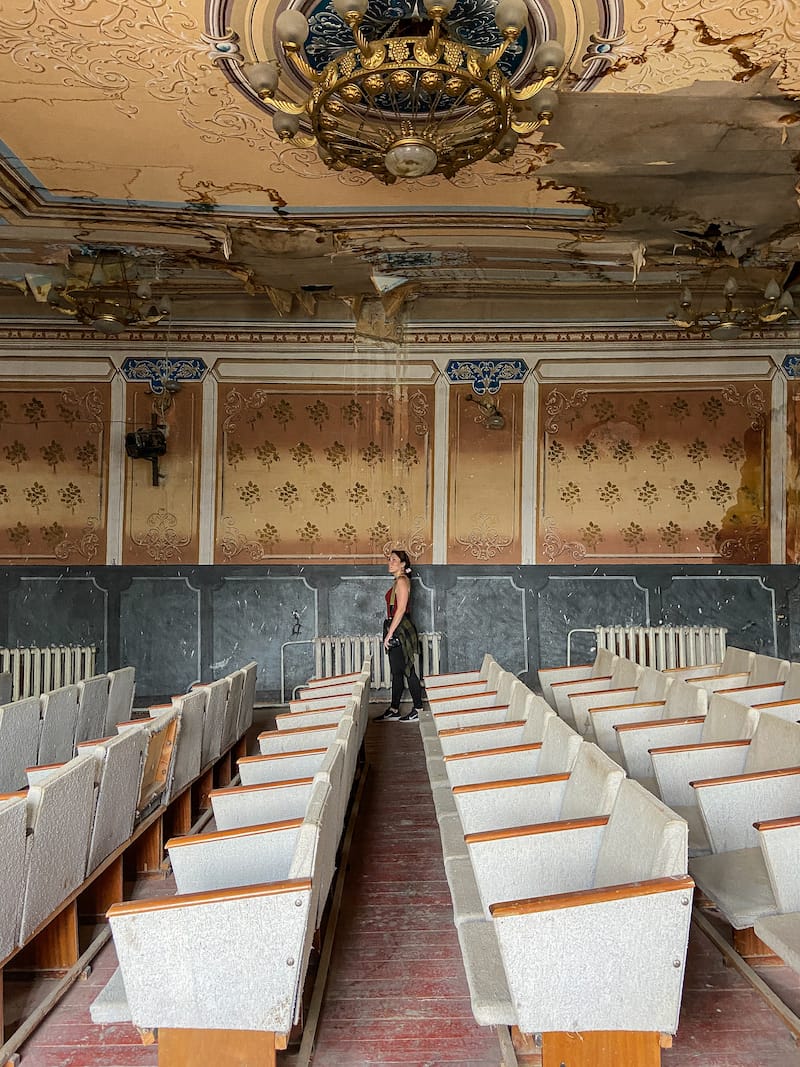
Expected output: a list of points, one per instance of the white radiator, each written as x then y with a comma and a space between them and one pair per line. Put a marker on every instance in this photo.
665, 646
38, 670
342, 655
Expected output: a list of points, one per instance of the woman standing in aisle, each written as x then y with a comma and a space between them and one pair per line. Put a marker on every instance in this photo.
400, 640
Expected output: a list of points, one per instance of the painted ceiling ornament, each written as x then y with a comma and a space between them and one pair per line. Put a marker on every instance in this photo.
163, 372
486, 375
403, 89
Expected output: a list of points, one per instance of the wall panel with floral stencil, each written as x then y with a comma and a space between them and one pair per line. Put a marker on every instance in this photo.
485, 472
161, 523
793, 472
53, 472
654, 473
323, 475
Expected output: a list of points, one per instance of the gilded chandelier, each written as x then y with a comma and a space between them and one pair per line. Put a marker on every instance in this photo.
727, 322
410, 103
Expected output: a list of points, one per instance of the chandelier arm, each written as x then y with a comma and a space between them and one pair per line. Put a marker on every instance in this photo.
527, 92
496, 54
435, 32
525, 129
300, 140
302, 64
354, 20
288, 107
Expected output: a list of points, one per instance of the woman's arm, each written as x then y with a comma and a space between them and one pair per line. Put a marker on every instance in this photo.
401, 594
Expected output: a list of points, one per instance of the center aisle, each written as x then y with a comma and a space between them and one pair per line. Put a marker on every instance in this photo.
396, 990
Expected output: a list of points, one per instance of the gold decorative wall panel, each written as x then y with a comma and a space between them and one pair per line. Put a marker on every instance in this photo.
324, 475
485, 475
53, 472
161, 522
654, 472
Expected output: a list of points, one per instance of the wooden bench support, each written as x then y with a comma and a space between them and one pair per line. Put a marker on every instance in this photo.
224, 1048
179, 815
751, 948
147, 853
202, 787
223, 770
98, 896
601, 1048
55, 947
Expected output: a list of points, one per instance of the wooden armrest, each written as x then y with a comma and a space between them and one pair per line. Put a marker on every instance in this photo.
624, 707
209, 896
467, 711
776, 703
534, 747
457, 685
777, 824
503, 783
45, 766
580, 897
717, 677
610, 692
701, 746
139, 722
14, 796
87, 744
567, 667
284, 755
299, 730
753, 685
580, 681
483, 726
240, 831
536, 828
446, 700
236, 789
310, 711
333, 677
751, 776
659, 722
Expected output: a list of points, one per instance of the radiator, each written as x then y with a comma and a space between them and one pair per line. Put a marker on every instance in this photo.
665, 646
38, 670
342, 655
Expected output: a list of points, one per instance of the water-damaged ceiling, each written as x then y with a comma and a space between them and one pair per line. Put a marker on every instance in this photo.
124, 125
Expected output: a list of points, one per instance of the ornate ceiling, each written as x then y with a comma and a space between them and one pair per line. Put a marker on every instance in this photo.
128, 125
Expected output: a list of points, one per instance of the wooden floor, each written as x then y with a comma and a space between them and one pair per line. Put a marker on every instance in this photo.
396, 992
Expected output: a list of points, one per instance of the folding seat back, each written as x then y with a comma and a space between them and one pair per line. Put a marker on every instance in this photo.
560, 746
225, 859
778, 841
121, 685
604, 662
119, 762
644, 839
13, 821
736, 661
280, 766
214, 721
253, 805
791, 687
19, 741
767, 669
188, 755
60, 814
232, 708
625, 673
250, 671
59, 725
775, 745
728, 720
92, 708
504, 686
6, 688
537, 714
653, 685
592, 785
162, 732
684, 700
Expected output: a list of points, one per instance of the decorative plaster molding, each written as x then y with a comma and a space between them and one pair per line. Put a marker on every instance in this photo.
160, 371
486, 375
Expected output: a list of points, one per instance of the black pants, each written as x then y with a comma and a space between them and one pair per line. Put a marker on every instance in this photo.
397, 666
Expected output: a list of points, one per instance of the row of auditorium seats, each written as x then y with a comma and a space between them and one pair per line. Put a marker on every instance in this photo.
722, 749
46, 729
232, 946
73, 815
568, 880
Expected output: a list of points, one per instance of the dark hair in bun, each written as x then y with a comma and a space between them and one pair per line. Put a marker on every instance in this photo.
402, 555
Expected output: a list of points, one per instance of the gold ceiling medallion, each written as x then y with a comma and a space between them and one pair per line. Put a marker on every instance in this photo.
408, 106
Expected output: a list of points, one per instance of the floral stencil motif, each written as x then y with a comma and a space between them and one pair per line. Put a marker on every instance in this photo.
53, 535
347, 534
641, 413
648, 495
3, 411
697, 452
378, 534
325, 495
268, 535
661, 453
609, 495
235, 454
406, 456
302, 454
571, 495
36, 495
396, 498
70, 496
671, 535
318, 413
69, 413
720, 492
686, 493
708, 534
632, 535
358, 495
603, 410
623, 452
352, 413
733, 451
267, 454
3, 494
34, 411
713, 409
86, 454
336, 454
591, 535
288, 495
556, 453
387, 416
679, 408
282, 412
752, 495
309, 533
372, 455
19, 535
249, 494
587, 453
16, 453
